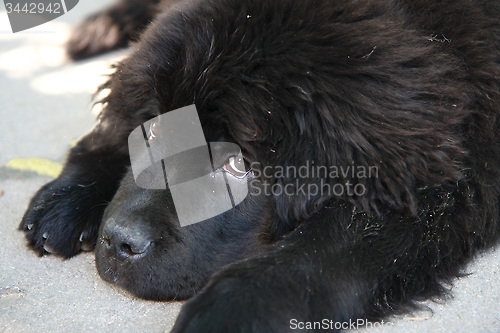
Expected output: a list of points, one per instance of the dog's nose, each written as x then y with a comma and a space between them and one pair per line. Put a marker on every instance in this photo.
127, 242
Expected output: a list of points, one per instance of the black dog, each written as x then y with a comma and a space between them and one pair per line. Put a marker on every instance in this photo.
408, 88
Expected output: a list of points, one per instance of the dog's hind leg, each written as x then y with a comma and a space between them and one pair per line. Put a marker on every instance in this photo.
112, 28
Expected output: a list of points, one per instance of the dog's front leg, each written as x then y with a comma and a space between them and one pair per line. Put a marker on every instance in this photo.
310, 276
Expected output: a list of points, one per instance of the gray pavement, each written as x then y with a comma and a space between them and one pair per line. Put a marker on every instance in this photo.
45, 106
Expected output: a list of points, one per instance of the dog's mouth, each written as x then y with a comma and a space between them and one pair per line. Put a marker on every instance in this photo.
141, 269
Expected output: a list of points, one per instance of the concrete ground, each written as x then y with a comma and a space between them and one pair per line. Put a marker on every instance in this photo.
45, 106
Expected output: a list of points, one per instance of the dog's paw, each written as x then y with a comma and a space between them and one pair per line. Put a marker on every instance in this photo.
245, 297
60, 219
223, 306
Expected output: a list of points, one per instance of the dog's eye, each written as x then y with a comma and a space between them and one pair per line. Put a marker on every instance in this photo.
237, 166
153, 129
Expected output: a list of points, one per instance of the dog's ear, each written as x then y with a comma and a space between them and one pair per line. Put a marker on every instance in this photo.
387, 155
376, 158
383, 130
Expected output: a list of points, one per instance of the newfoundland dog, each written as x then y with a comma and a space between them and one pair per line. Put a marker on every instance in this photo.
368, 151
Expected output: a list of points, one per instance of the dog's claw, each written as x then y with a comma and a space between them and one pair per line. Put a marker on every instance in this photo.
85, 246
49, 249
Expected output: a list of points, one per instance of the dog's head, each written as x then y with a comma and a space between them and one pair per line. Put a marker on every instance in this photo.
292, 92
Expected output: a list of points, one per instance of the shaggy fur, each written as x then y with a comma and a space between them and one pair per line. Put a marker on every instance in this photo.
409, 86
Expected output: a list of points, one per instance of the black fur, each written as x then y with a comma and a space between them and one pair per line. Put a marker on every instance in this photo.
409, 86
